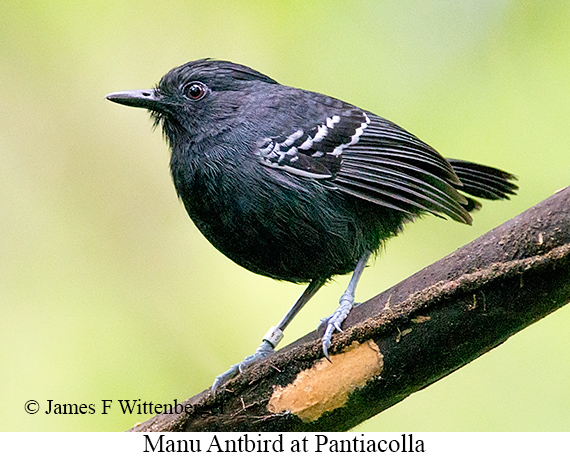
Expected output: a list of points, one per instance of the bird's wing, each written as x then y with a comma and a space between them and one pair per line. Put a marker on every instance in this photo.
370, 158
315, 150
392, 167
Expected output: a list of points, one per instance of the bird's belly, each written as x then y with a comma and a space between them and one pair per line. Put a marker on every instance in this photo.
282, 226
292, 240
266, 247
281, 240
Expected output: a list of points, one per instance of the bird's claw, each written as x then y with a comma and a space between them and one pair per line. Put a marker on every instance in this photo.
225, 377
264, 350
335, 321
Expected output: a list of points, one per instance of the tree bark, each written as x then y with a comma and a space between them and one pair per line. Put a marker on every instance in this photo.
402, 340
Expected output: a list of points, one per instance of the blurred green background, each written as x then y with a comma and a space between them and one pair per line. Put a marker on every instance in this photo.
108, 291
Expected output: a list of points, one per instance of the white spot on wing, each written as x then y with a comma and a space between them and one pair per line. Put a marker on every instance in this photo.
321, 133
274, 154
331, 121
266, 149
291, 138
354, 138
307, 144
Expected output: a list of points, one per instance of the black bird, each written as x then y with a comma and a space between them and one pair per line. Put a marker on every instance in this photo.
296, 185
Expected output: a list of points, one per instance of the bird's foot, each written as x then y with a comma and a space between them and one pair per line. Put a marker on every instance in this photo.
334, 321
265, 349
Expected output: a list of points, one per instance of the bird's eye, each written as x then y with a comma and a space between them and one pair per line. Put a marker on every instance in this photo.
195, 90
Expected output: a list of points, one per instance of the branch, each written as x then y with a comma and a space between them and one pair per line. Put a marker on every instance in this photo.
404, 339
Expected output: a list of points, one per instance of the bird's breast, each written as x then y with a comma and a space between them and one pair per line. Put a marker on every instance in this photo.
270, 222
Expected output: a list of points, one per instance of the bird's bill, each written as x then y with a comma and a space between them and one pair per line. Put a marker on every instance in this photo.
144, 98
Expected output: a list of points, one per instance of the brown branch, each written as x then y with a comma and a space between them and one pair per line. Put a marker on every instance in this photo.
404, 339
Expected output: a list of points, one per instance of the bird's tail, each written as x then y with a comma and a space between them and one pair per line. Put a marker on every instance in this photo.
483, 182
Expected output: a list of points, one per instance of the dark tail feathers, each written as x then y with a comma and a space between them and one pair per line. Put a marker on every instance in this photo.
483, 182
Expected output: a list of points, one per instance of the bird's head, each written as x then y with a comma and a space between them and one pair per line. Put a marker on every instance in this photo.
199, 98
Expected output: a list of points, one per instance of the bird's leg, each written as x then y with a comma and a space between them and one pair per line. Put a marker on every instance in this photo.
272, 338
346, 303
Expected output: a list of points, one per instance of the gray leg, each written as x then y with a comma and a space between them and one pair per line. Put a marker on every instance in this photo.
271, 338
346, 303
